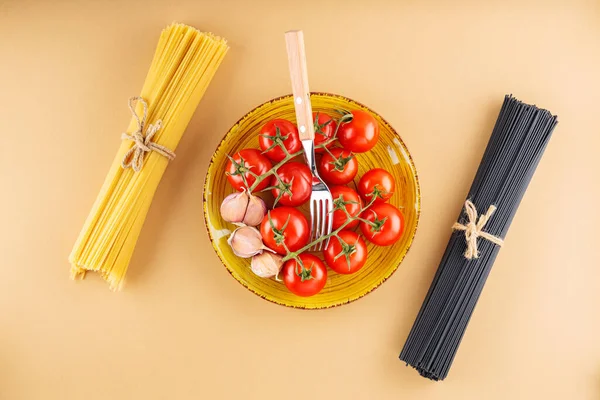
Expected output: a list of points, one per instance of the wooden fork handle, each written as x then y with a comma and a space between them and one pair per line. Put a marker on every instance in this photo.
294, 41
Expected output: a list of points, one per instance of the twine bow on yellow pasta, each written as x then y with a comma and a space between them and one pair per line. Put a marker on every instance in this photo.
474, 229
183, 65
143, 144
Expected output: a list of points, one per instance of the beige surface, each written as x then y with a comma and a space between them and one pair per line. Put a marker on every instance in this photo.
183, 328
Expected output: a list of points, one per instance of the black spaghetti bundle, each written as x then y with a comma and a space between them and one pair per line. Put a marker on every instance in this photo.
517, 143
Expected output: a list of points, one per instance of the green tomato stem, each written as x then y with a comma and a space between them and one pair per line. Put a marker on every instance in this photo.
273, 170
333, 138
295, 254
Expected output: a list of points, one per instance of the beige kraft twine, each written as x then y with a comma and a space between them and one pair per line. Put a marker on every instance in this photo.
473, 229
134, 157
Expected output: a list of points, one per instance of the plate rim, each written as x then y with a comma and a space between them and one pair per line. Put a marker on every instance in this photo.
273, 300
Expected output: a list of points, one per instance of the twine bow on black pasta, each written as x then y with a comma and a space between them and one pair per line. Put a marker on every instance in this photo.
517, 143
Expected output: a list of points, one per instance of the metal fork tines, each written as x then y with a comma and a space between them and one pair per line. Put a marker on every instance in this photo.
321, 202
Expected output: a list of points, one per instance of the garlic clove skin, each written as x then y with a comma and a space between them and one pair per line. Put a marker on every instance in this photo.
266, 265
233, 207
255, 211
243, 208
246, 242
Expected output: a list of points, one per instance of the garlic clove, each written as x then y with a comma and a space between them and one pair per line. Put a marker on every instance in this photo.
266, 265
255, 211
233, 207
246, 241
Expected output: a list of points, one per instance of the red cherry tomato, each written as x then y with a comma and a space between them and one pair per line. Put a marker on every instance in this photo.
347, 257
349, 199
307, 279
376, 183
324, 130
244, 161
360, 134
339, 169
285, 225
280, 131
389, 224
294, 186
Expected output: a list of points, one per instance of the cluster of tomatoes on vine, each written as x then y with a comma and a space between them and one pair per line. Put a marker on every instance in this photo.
278, 168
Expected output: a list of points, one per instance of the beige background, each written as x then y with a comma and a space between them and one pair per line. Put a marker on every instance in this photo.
183, 328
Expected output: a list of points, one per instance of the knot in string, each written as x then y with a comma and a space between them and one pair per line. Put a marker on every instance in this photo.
142, 144
474, 229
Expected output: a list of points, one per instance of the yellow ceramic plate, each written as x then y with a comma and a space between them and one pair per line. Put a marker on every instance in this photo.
390, 153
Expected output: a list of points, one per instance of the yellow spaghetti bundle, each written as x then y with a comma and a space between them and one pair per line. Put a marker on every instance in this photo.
184, 64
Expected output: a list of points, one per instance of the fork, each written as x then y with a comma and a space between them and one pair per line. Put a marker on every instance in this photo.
321, 201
